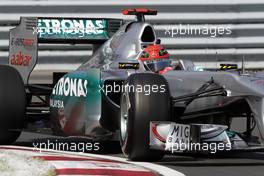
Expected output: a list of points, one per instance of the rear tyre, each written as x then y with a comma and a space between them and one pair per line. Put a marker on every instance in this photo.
137, 109
12, 104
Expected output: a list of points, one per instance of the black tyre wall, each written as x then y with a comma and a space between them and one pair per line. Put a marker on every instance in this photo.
12, 104
145, 108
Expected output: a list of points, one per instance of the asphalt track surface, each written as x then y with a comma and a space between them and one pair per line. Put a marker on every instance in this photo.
226, 164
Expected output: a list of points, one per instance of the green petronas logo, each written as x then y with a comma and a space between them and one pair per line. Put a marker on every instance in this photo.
85, 28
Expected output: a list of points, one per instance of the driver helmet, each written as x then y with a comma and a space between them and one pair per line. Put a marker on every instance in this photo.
155, 58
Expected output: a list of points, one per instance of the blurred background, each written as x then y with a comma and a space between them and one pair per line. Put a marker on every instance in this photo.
208, 32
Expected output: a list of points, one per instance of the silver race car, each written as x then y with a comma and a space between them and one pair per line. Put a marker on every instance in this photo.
129, 90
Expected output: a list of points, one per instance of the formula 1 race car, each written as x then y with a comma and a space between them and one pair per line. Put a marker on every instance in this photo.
128, 91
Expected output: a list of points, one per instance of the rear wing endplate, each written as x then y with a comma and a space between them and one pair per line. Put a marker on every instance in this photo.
24, 39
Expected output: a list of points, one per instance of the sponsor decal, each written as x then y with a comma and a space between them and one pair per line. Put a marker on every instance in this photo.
179, 134
20, 59
70, 28
71, 87
22, 42
56, 103
228, 66
128, 66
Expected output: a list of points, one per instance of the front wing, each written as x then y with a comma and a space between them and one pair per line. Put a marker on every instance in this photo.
204, 138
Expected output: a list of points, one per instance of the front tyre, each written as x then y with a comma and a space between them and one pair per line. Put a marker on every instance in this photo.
137, 109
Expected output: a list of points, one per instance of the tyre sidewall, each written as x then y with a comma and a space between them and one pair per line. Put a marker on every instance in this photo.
145, 108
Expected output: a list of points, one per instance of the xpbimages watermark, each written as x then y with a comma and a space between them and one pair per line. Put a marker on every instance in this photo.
206, 30
211, 147
146, 89
66, 146
79, 87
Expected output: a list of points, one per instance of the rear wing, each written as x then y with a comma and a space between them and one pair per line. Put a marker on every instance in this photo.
24, 39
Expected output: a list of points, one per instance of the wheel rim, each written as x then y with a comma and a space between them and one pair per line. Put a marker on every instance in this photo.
124, 118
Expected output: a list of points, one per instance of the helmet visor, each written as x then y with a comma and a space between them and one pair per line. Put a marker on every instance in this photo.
156, 65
